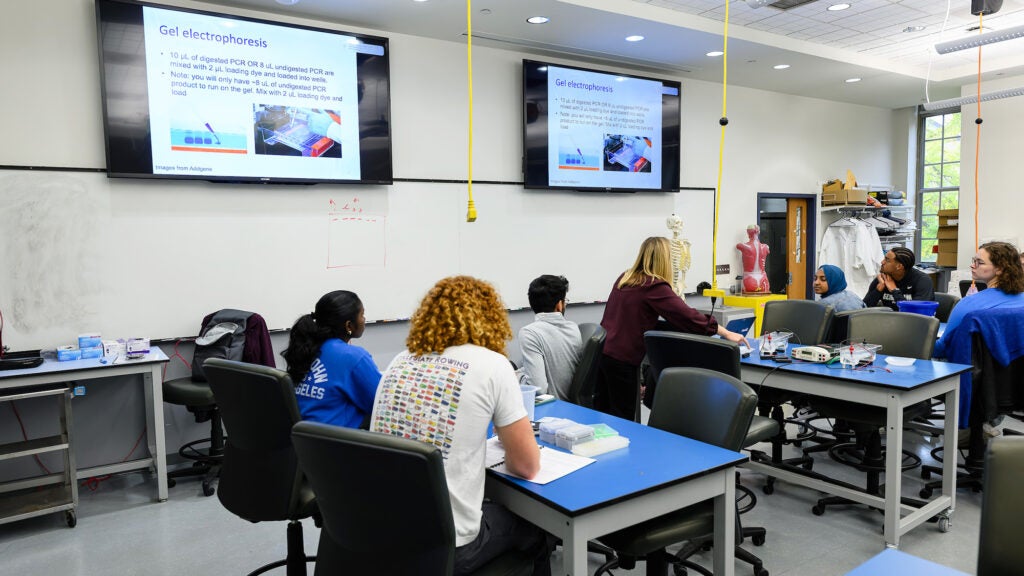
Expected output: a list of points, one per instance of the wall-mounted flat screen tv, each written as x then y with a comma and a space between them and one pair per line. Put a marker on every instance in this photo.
599, 131
197, 95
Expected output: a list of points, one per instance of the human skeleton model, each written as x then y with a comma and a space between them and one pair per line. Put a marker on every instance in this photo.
680, 255
754, 254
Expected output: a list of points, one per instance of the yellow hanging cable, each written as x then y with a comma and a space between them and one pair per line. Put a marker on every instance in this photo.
471, 211
723, 121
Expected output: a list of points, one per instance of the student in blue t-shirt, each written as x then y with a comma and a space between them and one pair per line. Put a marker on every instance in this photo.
335, 381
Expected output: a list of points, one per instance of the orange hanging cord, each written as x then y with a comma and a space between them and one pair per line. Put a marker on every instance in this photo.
977, 148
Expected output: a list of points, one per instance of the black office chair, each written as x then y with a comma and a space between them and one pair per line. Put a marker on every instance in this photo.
584, 379
704, 405
810, 323
252, 344
965, 285
1002, 505
840, 329
900, 334
946, 304
667, 349
675, 349
260, 478
385, 505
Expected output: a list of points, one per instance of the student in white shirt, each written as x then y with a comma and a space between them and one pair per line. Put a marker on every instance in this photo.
551, 343
447, 387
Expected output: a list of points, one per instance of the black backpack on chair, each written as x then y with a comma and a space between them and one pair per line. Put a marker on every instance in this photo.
222, 336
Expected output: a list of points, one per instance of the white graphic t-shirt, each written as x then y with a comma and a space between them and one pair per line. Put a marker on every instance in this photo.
448, 400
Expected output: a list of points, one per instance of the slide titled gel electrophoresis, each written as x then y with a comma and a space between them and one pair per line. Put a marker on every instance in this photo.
603, 130
230, 97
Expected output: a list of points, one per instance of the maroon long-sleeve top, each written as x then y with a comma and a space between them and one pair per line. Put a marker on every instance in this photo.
633, 310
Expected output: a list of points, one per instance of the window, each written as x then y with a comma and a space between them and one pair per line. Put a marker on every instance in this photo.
938, 175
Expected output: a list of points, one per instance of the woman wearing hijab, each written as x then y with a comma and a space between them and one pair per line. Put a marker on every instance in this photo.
830, 285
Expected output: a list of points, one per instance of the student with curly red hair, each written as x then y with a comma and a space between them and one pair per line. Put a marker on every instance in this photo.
451, 383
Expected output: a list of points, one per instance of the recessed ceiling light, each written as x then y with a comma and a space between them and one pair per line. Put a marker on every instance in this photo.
913, 28
781, 66
634, 38
714, 53
287, 2
412, 0
852, 80
537, 19
838, 7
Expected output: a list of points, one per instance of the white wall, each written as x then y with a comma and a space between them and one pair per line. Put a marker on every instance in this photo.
999, 182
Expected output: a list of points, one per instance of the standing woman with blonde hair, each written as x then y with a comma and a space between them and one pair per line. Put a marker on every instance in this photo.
640, 295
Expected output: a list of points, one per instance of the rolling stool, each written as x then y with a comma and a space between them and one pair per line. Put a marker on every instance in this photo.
197, 397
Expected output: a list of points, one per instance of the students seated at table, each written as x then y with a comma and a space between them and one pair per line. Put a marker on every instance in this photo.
551, 343
998, 265
445, 389
830, 286
639, 296
899, 280
335, 381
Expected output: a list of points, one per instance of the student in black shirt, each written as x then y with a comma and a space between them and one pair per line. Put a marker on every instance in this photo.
899, 280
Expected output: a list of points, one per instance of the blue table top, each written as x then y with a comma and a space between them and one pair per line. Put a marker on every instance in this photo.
50, 365
893, 561
920, 373
653, 459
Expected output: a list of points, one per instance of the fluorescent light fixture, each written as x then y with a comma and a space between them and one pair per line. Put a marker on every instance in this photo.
980, 40
965, 100
838, 7
537, 19
634, 38
781, 66
714, 53
852, 80
287, 2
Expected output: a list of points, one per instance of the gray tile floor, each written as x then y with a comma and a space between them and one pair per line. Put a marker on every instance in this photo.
122, 531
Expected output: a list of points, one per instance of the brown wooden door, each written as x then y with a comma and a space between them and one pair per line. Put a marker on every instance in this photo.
797, 258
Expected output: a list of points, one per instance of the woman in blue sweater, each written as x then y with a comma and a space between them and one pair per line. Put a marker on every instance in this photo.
335, 381
997, 264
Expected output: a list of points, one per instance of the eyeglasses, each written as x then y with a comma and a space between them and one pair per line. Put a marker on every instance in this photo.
978, 262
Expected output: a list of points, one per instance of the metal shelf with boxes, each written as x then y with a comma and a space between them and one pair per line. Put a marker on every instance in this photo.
56, 492
894, 224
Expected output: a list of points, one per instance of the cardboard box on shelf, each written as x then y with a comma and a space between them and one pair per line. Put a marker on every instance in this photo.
856, 196
949, 217
840, 197
948, 233
948, 245
946, 259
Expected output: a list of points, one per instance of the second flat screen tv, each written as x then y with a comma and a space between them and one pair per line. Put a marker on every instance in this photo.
599, 131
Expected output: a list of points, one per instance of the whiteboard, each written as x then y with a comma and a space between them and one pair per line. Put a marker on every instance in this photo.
84, 253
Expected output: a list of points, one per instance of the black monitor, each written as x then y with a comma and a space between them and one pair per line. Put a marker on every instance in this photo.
198, 95
599, 131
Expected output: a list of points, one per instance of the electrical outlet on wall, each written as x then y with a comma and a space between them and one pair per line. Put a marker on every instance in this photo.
722, 269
